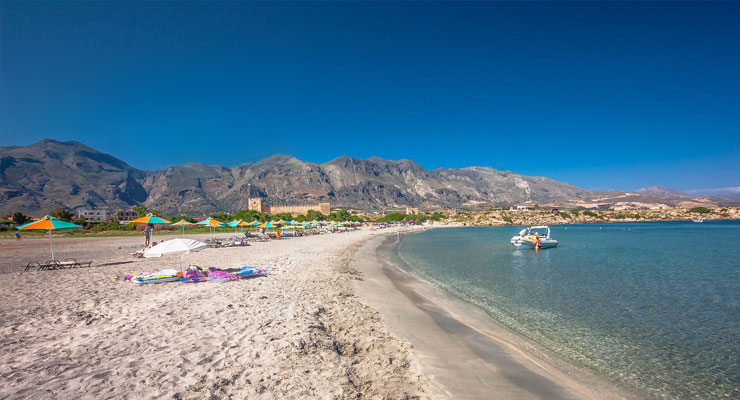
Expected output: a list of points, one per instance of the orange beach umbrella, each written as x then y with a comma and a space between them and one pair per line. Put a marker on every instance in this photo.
49, 223
182, 223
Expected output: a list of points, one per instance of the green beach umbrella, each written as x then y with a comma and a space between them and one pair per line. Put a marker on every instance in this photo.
49, 223
211, 223
239, 223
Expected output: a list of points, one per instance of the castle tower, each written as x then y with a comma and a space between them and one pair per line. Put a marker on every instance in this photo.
256, 204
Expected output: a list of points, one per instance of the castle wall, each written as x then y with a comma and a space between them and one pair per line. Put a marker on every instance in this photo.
258, 205
323, 208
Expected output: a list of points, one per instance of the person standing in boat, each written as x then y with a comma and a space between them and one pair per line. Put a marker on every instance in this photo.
524, 232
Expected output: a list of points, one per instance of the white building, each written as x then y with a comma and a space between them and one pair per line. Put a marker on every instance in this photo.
93, 215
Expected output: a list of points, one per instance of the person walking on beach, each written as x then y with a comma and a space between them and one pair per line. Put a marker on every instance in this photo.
17, 235
147, 237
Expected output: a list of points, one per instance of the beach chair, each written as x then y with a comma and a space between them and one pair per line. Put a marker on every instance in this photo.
239, 241
72, 263
56, 264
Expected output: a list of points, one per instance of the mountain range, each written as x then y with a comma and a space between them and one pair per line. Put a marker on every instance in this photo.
38, 177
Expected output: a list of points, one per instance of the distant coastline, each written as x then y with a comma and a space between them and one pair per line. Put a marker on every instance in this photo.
579, 216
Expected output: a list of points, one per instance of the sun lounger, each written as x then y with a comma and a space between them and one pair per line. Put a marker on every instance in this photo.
258, 237
72, 263
57, 264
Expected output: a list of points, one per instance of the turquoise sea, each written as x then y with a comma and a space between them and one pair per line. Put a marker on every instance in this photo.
652, 306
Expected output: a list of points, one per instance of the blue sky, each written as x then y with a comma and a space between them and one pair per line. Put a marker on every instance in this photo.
601, 95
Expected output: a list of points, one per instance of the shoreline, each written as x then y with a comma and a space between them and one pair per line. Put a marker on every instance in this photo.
464, 351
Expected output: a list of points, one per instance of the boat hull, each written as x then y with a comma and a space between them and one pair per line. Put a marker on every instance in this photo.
525, 244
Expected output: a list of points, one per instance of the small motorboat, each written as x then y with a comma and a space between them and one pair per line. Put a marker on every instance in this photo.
698, 220
527, 238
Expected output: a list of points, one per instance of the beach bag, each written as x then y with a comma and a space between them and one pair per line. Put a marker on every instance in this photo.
190, 274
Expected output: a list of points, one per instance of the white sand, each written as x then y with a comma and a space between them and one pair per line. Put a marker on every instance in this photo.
298, 333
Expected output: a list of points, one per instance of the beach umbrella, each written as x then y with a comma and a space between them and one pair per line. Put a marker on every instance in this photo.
239, 223
211, 223
281, 221
255, 223
150, 219
49, 223
182, 223
294, 222
175, 246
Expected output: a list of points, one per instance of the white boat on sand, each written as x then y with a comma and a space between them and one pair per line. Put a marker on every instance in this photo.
528, 237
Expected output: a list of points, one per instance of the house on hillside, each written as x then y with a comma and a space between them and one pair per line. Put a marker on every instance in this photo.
126, 215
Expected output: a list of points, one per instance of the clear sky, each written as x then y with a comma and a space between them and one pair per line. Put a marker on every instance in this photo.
601, 95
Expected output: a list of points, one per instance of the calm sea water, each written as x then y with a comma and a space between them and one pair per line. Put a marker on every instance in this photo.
653, 306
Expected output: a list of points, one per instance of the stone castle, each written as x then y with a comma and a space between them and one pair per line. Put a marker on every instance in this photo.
258, 204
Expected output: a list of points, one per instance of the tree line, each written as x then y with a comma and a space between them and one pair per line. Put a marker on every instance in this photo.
65, 214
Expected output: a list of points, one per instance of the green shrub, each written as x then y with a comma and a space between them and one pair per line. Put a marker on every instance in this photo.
19, 218
505, 218
564, 215
700, 210
62, 214
177, 218
574, 212
436, 216
590, 213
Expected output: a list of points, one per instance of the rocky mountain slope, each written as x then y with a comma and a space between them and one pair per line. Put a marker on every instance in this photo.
730, 193
38, 177
49, 173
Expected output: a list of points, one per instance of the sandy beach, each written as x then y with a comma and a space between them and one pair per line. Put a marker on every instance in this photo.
298, 333
332, 320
